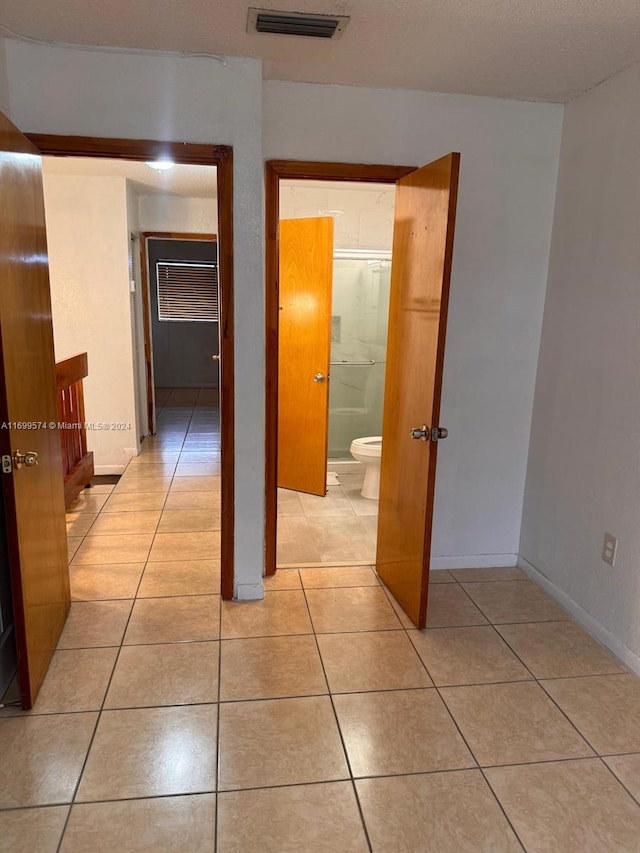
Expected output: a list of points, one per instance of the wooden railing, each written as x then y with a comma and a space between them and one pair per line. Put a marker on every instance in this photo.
77, 462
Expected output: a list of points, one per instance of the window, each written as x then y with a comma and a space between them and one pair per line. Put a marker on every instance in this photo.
187, 291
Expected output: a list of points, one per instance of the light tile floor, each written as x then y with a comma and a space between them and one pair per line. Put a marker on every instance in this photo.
339, 528
317, 720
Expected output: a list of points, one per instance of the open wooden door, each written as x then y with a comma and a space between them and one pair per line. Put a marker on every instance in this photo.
304, 344
421, 267
31, 455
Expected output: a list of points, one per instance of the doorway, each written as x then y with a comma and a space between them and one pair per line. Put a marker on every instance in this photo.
424, 222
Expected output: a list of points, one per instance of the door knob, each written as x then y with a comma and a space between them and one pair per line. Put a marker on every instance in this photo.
319, 377
215, 358
420, 433
29, 459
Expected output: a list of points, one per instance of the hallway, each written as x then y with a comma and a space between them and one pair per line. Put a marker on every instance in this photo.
315, 720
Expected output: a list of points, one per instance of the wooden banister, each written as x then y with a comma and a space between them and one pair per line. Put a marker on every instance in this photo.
77, 461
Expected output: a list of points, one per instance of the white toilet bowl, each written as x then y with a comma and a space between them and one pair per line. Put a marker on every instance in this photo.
368, 450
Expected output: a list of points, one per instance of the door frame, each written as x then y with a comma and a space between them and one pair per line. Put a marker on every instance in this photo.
146, 308
275, 171
204, 154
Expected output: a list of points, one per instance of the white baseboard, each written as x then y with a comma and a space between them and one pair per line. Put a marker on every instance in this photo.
475, 561
103, 470
597, 630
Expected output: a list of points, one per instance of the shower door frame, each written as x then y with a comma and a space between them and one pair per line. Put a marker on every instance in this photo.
276, 171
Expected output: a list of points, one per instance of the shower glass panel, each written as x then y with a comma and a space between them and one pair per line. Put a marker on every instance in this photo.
360, 311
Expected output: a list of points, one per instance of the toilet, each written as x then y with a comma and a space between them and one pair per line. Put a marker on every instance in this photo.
368, 450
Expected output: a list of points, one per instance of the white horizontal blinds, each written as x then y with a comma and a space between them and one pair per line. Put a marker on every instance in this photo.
187, 291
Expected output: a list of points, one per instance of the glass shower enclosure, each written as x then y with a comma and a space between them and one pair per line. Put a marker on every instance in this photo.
360, 315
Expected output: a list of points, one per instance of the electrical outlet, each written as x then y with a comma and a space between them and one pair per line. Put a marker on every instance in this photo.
609, 548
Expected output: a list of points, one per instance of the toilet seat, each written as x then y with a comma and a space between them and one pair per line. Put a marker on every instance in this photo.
368, 446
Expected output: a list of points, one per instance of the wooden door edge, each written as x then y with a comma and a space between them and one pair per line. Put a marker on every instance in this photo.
205, 154
275, 171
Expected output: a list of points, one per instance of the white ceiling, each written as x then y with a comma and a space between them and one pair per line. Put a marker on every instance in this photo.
181, 180
535, 49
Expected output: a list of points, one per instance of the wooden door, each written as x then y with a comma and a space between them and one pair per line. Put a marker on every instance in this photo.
33, 495
304, 344
425, 209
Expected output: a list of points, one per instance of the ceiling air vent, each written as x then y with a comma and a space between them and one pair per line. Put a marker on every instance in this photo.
296, 24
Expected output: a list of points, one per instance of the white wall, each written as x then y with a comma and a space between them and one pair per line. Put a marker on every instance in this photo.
175, 213
138, 367
507, 184
584, 463
4, 82
88, 238
66, 91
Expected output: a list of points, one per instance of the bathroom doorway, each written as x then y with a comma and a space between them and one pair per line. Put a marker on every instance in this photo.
339, 234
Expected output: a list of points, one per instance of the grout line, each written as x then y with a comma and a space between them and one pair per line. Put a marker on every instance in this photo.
339, 729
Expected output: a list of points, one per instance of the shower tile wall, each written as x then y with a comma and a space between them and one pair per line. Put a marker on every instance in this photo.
363, 219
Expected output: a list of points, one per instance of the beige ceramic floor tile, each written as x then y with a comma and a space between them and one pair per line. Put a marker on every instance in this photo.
435, 813
73, 543
289, 503
397, 608
203, 455
155, 457
559, 649
32, 830
196, 484
122, 548
448, 606
79, 523
515, 601
467, 656
193, 501
606, 709
342, 539
478, 575
440, 576
371, 661
179, 619
185, 546
568, 806
76, 680
186, 577
320, 818
42, 757
95, 623
512, 723
283, 579
364, 608
111, 523
270, 668
189, 520
398, 732
333, 503
198, 469
338, 577
294, 542
279, 742
279, 613
99, 583
164, 824
156, 470
142, 485
361, 506
627, 769
88, 502
151, 752
135, 502
173, 674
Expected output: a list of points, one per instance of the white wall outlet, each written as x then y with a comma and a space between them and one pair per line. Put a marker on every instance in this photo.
609, 548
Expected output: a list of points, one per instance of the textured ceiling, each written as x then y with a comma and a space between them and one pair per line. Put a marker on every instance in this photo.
182, 180
541, 50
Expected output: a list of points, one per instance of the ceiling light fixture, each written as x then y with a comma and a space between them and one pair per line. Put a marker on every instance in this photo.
160, 165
